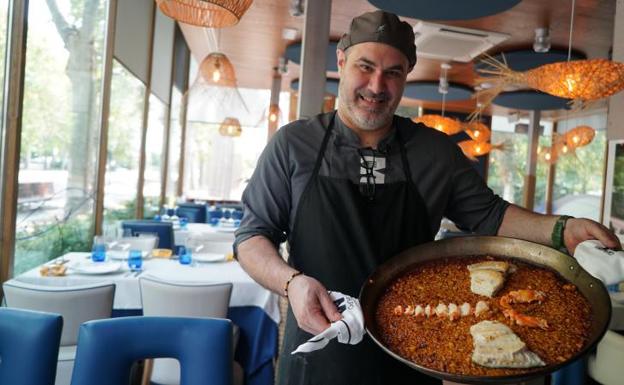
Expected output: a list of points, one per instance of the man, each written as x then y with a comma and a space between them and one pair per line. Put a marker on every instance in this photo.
353, 188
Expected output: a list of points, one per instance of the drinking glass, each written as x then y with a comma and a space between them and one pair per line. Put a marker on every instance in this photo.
135, 260
184, 255
183, 222
98, 253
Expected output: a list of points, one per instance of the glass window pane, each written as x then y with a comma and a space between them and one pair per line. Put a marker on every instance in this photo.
175, 145
154, 146
60, 130
507, 167
124, 146
579, 176
217, 167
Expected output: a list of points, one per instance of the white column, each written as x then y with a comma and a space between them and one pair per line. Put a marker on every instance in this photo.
528, 199
313, 53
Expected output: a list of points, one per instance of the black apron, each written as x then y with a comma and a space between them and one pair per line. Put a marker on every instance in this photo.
339, 237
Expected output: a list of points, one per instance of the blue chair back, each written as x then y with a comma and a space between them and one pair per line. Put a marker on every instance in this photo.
29, 346
108, 348
164, 231
195, 212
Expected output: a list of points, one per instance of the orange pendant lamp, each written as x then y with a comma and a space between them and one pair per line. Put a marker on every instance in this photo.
205, 13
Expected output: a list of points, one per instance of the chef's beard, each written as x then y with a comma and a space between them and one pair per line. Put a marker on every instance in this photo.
369, 119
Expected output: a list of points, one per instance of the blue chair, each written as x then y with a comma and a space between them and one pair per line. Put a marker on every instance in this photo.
108, 348
195, 212
29, 346
163, 230
76, 304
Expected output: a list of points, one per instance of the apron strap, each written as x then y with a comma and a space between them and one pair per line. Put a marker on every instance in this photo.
406, 167
321, 152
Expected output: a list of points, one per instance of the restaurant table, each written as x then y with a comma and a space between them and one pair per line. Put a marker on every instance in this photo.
254, 309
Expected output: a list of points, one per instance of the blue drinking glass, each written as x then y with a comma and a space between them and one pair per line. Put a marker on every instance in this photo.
184, 255
98, 253
184, 222
135, 260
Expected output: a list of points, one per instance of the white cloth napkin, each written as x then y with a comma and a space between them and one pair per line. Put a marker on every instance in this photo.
349, 330
603, 263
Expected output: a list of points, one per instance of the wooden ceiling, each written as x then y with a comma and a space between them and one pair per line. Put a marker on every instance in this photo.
255, 44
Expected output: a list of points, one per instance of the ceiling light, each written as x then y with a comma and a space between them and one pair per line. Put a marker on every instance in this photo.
542, 40
205, 13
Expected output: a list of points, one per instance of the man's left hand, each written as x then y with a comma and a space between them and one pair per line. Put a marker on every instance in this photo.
578, 230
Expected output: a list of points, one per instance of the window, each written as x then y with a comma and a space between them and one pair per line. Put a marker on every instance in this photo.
175, 144
60, 130
579, 177
154, 153
507, 166
216, 166
124, 146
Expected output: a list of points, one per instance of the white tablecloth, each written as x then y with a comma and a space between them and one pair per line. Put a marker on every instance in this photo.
245, 291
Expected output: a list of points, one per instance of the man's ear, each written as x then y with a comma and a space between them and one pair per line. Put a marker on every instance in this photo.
342, 59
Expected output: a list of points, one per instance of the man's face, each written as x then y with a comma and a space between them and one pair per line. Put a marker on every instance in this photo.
372, 78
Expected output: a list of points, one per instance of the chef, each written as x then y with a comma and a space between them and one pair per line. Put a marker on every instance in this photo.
350, 189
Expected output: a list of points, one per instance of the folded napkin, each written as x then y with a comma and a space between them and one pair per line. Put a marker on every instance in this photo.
162, 253
349, 330
603, 263
56, 270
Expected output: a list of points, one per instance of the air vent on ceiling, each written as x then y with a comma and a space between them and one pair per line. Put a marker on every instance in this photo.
448, 43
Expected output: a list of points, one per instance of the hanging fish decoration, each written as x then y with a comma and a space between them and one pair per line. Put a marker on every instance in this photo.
447, 125
477, 131
581, 81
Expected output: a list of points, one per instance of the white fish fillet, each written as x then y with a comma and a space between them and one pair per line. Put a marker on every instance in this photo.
499, 266
497, 346
486, 282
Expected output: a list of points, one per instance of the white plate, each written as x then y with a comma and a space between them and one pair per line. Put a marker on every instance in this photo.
89, 267
208, 257
123, 255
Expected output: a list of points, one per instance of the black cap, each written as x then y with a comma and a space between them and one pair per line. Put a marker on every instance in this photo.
381, 27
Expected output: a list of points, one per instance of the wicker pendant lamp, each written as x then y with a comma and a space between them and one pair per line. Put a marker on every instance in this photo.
477, 131
472, 148
230, 127
549, 155
216, 69
581, 81
205, 13
440, 122
446, 125
579, 136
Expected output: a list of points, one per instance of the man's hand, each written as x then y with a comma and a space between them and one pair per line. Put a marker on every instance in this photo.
311, 304
578, 230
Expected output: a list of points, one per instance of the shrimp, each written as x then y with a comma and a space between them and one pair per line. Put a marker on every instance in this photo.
525, 320
453, 312
522, 296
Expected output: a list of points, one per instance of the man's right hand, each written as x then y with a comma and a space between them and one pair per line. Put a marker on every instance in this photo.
311, 304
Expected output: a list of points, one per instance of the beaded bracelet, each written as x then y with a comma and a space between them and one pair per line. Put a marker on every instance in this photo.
292, 276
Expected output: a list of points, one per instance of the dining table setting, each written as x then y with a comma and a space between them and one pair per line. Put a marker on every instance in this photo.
253, 308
